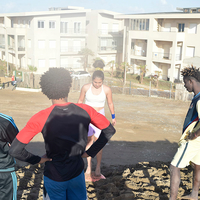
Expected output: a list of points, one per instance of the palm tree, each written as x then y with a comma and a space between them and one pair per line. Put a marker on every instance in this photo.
85, 52
124, 66
143, 70
112, 64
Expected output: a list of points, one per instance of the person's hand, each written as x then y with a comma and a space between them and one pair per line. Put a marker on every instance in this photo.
85, 155
192, 136
44, 159
113, 122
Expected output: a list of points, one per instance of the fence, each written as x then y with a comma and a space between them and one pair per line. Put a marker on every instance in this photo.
182, 94
31, 80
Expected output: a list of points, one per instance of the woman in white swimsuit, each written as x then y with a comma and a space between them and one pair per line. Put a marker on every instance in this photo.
95, 95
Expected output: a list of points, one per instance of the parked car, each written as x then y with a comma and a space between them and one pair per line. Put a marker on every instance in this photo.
79, 74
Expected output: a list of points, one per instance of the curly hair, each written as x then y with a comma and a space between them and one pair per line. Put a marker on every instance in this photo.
56, 83
99, 74
191, 72
99, 64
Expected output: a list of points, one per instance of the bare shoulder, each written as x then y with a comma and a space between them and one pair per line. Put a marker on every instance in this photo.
106, 89
86, 86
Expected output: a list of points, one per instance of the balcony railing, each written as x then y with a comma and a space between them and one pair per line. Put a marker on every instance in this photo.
112, 48
112, 32
21, 48
164, 56
73, 31
71, 49
138, 52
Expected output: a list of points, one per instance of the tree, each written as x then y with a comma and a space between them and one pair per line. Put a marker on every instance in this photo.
124, 66
85, 52
32, 68
143, 70
112, 64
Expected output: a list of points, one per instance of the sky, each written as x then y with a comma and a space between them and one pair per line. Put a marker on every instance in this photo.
121, 6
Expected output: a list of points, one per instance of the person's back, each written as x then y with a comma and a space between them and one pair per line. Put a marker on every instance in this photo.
8, 180
64, 127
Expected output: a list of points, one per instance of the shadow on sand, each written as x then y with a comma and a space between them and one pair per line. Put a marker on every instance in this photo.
133, 170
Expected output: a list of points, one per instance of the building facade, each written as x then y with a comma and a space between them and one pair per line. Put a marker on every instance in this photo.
162, 41
54, 38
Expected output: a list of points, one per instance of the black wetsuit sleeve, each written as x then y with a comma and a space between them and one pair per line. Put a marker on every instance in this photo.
104, 137
17, 150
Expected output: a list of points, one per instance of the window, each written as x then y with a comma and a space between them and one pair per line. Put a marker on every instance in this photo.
12, 23
41, 63
77, 45
77, 27
139, 24
41, 44
181, 27
103, 44
114, 44
64, 46
52, 62
52, 24
63, 27
192, 28
40, 24
52, 44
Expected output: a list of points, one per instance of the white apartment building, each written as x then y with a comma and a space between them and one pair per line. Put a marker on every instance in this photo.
54, 38
162, 41
43, 39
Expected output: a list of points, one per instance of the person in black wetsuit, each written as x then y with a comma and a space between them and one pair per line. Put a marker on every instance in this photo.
64, 126
8, 179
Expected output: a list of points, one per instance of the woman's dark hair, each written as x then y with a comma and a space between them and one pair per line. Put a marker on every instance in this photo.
191, 72
99, 64
56, 83
98, 74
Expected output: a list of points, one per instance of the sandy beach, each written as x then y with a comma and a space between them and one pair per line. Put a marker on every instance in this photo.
135, 161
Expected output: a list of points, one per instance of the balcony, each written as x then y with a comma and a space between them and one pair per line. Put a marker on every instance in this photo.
71, 49
74, 32
162, 56
110, 32
21, 48
112, 48
138, 52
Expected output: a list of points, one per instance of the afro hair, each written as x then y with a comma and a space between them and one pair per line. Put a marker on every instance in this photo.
56, 83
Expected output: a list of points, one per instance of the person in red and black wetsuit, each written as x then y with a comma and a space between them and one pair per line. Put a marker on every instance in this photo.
64, 127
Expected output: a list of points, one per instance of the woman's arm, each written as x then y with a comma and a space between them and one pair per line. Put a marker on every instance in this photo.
82, 94
110, 104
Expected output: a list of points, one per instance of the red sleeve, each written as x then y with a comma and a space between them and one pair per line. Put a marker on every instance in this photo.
97, 119
34, 125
